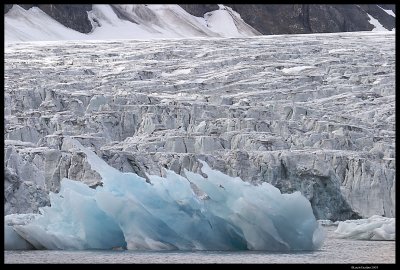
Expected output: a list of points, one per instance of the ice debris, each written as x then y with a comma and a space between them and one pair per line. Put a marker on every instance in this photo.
374, 228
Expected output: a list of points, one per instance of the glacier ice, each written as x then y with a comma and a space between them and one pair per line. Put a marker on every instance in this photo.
240, 120
374, 228
165, 213
12, 240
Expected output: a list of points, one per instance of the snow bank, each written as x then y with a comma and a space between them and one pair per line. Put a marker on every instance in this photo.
35, 25
373, 228
167, 214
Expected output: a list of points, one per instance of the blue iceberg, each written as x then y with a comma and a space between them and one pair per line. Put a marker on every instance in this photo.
167, 214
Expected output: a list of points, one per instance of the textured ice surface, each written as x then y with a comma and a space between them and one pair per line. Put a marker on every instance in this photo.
373, 228
129, 212
326, 131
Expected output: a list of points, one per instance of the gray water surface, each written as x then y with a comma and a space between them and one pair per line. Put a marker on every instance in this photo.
333, 251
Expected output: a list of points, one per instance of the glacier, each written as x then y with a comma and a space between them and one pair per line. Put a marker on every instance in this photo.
207, 211
246, 106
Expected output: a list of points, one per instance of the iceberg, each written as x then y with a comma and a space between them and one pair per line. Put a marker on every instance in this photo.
166, 213
12, 240
374, 228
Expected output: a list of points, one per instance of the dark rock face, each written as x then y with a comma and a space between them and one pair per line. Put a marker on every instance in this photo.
72, 16
389, 22
301, 19
198, 10
339, 18
28, 6
387, 6
7, 8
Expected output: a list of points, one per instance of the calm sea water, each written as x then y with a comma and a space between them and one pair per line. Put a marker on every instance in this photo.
333, 251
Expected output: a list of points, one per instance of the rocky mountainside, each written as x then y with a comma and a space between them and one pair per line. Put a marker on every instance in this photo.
186, 20
314, 113
300, 19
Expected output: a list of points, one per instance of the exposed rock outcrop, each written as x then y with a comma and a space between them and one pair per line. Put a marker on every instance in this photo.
71, 15
300, 19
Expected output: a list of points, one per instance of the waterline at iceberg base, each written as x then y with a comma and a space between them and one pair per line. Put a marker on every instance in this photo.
211, 211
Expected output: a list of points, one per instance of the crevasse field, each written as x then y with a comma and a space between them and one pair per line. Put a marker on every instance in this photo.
313, 113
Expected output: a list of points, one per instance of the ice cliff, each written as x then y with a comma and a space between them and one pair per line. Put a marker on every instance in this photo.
310, 113
165, 213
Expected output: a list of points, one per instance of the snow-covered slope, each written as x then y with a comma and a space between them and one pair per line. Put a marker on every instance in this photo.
228, 23
126, 22
140, 21
35, 25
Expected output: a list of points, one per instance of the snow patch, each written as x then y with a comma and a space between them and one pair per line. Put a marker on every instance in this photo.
221, 22
388, 11
377, 25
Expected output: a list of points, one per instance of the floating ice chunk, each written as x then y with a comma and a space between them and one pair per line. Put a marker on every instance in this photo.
128, 212
373, 228
12, 240
74, 221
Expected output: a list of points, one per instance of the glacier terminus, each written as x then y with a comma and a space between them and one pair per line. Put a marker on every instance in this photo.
199, 144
